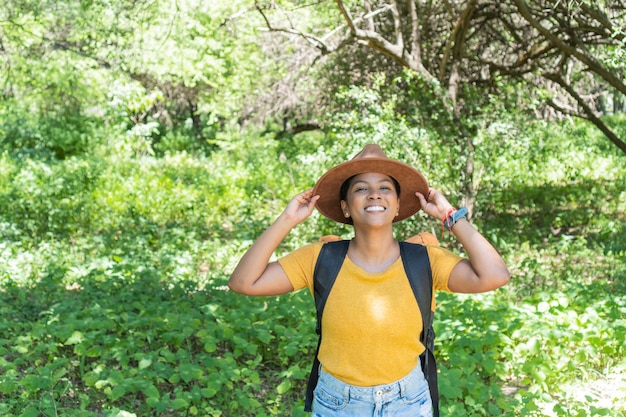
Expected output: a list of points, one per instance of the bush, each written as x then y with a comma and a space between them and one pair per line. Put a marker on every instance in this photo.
113, 298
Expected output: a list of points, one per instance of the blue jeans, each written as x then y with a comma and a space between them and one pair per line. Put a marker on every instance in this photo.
407, 397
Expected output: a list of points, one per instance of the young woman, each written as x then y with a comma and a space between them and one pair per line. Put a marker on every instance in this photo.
370, 351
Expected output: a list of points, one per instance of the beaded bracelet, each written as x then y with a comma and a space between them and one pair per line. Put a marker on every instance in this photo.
452, 216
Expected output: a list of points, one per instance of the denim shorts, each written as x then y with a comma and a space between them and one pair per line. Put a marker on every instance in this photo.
407, 397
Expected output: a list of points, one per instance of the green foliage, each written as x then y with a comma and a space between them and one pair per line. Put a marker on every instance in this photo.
69, 67
528, 348
131, 181
122, 339
50, 94
129, 189
119, 294
113, 271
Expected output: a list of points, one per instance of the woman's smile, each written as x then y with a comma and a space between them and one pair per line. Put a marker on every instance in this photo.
371, 209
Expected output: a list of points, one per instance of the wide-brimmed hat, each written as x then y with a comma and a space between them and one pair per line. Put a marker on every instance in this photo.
370, 159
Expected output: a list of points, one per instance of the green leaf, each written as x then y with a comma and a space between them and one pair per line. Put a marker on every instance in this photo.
75, 338
209, 392
30, 412
543, 306
283, 387
144, 363
151, 391
179, 403
264, 336
117, 392
489, 365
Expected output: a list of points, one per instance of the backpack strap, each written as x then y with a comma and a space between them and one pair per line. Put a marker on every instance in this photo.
417, 268
325, 274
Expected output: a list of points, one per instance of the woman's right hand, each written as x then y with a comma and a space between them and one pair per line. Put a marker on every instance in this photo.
255, 274
300, 207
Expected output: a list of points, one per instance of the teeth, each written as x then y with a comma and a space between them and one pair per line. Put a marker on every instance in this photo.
375, 208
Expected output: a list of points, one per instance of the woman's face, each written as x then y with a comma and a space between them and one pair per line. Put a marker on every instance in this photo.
372, 198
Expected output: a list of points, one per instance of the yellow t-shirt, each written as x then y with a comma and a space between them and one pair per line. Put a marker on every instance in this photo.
371, 322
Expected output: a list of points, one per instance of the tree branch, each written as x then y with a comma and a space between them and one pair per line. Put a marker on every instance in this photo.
416, 49
396, 51
235, 16
588, 112
454, 47
311, 39
591, 63
397, 26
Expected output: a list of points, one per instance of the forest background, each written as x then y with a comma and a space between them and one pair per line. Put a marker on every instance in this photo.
144, 145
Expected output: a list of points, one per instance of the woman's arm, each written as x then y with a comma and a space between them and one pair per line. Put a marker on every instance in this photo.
254, 274
484, 270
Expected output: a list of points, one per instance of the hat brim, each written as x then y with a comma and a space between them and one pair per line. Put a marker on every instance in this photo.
328, 187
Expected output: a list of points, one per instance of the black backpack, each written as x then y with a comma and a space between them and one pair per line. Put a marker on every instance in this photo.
417, 267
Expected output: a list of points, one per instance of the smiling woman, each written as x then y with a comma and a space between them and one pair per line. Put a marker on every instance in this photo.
371, 354
373, 193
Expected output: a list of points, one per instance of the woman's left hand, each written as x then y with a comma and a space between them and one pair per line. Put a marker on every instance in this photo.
434, 204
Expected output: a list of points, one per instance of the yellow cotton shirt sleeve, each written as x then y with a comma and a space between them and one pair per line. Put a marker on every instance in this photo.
299, 266
371, 323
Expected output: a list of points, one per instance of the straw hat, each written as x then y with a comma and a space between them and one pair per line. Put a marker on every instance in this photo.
370, 159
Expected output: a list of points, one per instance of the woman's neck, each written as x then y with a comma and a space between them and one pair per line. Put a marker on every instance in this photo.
373, 251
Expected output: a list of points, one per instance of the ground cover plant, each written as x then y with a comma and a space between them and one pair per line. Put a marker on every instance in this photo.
144, 146
113, 299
